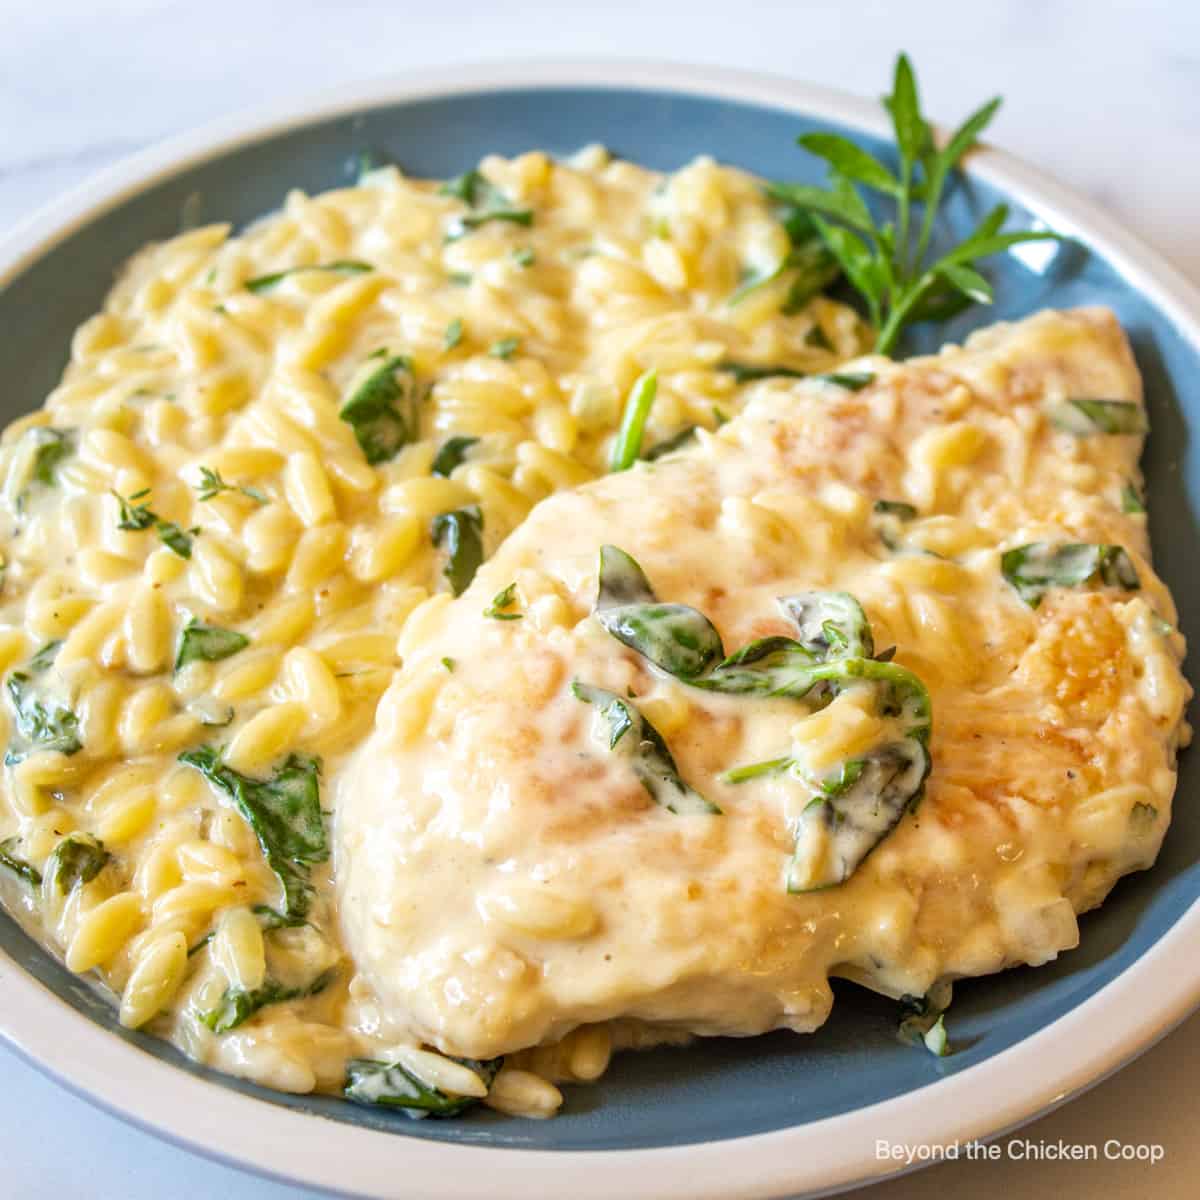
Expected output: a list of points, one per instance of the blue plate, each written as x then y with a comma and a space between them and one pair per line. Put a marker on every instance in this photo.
720, 1088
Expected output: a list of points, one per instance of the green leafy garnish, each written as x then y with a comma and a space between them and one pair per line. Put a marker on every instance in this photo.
890, 517
505, 348
460, 532
628, 445
453, 453
632, 736
830, 624
369, 1081
851, 381
237, 1004
454, 334
1084, 417
136, 517
486, 202
1035, 568
1131, 500
679, 639
23, 870
523, 257
284, 812
887, 264
211, 484
924, 1022
42, 721
676, 441
77, 859
382, 409
342, 266
771, 766
207, 643
503, 599
895, 508
47, 449
751, 372
449, 664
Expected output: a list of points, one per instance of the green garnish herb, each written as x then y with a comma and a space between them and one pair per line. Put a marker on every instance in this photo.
211, 484
50, 447
772, 766
449, 664
343, 266
887, 263
524, 257
207, 643
453, 453
382, 409
679, 639
23, 870
1035, 568
77, 859
460, 532
486, 202
284, 812
1085, 417
851, 381
645, 749
390, 1085
505, 598
1131, 500
459, 278
676, 441
890, 517
42, 721
632, 429
237, 1004
505, 348
454, 334
752, 372
136, 517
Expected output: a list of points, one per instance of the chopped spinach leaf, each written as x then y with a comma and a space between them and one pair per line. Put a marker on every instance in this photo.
1131, 500
485, 201
460, 532
45, 448
628, 444
851, 381
505, 348
390, 1085
382, 409
237, 1004
632, 736
343, 266
453, 453
77, 859
207, 643
751, 372
677, 441
679, 639
42, 721
831, 624
1084, 417
23, 870
523, 257
284, 812
1035, 568
453, 336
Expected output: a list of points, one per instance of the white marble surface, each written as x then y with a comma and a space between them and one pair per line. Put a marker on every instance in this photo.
1107, 95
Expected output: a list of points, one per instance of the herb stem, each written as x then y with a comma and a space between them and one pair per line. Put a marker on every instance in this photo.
633, 422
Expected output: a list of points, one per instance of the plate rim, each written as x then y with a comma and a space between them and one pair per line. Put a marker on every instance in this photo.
1066, 1057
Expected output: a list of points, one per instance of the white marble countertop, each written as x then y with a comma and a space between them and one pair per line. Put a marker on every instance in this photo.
1107, 96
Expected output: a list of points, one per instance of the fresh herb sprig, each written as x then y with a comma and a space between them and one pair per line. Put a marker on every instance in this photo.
887, 262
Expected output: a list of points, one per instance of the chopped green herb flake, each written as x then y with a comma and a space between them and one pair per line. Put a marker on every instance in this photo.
449, 664
752, 372
454, 334
345, 266
1131, 500
453, 453
391, 1085
524, 257
211, 485
77, 859
486, 202
1086, 417
505, 347
41, 720
238, 1005
851, 381
505, 598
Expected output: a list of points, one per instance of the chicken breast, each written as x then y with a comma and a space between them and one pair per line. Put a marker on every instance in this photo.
572, 812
